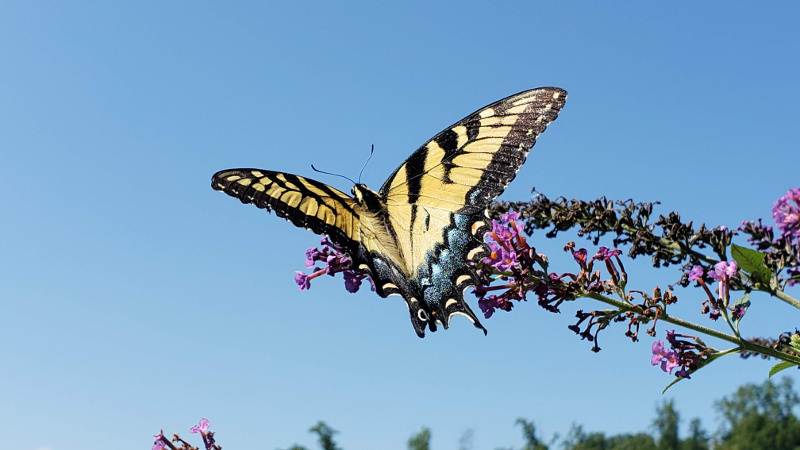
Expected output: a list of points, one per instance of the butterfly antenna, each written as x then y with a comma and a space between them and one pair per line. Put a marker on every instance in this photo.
334, 174
371, 151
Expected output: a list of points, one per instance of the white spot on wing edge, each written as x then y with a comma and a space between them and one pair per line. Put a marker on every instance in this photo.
460, 280
474, 252
257, 174
460, 314
477, 226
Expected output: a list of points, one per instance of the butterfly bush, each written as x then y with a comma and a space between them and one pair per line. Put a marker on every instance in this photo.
726, 274
512, 270
722, 273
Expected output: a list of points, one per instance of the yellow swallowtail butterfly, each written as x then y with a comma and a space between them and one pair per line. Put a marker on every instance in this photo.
416, 235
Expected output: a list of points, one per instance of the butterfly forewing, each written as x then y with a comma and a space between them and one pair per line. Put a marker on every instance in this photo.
303, 201
479, 154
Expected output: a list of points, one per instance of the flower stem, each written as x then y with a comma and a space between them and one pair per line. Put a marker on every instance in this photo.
787, 298
742, 343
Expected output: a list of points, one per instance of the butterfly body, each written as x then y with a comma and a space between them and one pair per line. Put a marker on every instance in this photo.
416, 235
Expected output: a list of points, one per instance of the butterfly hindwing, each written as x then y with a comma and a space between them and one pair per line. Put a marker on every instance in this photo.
437, 199
416, 236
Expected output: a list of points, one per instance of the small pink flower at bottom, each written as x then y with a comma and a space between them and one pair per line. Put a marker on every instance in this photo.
201, 428
158, 440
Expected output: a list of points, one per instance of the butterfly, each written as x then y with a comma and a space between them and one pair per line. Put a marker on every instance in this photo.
417, 234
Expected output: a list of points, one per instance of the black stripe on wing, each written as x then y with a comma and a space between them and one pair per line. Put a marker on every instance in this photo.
492, 142
304, 202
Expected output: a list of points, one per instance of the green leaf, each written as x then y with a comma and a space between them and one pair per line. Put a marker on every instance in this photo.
744, 302
778, 367
670, 385
751, 262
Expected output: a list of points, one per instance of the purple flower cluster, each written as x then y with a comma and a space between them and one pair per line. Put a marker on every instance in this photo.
682, 353
590, 278
515, 262
510, 256
786, 213
335, 261
781, 252
504, 241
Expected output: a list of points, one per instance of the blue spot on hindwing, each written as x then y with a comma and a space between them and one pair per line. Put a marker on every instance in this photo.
444, 261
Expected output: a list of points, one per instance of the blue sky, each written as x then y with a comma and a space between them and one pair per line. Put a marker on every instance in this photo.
133, 297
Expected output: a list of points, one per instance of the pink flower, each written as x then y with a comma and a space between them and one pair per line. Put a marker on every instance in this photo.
786, 213
696, 273
668, 359
604, 253
510, 216
158, 440
302, 280
201, 428
723, 270
580, 256
658, 353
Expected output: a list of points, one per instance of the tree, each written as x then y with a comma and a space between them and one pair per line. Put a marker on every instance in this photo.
421, 440
465, 441
325, 434
698, 438
529, 434
577, 439
666, 424
760, 417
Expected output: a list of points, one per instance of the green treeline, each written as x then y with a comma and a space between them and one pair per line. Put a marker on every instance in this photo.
755, 417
